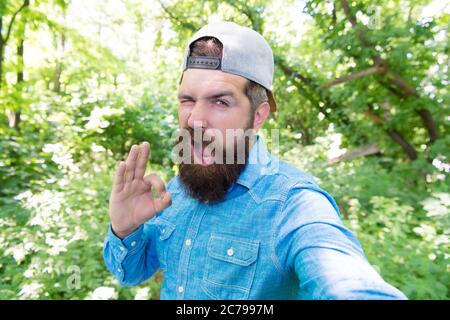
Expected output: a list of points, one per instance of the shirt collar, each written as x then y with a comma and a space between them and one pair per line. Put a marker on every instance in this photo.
258, 164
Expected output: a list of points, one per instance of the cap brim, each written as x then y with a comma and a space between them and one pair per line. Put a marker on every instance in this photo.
272, 103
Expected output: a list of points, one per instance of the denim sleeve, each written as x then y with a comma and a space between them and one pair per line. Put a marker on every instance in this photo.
328, 260
133, 259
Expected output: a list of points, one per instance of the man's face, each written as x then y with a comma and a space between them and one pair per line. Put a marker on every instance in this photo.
212, 102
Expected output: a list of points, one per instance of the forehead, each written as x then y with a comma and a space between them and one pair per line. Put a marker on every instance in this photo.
203, 81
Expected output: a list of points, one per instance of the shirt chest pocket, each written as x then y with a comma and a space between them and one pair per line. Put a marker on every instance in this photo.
230, 267
165, 230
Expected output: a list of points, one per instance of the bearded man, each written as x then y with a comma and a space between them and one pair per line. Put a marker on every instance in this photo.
237, 222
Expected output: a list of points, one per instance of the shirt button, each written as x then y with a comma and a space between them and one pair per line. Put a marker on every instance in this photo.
188, 242
180, 289
122, 249
133, 243
119, 270
230, 252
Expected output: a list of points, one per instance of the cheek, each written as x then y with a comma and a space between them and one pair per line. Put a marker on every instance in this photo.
233, 118
183, 117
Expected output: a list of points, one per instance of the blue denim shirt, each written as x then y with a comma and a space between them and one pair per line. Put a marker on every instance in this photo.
277, 235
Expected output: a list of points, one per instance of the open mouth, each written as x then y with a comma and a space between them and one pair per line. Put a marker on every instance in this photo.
202, 155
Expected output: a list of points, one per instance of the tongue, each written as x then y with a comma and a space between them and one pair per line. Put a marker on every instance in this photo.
207, 154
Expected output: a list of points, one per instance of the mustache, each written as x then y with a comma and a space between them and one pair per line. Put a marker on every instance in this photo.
193, 144
200, 136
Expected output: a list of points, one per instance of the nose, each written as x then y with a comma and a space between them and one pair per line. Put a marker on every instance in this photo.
198, 116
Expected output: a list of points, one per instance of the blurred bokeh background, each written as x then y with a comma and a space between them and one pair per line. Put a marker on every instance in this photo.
363, 104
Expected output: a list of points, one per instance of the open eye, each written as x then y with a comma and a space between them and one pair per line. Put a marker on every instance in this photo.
221, 102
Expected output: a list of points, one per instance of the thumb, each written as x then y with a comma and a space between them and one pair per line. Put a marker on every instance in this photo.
164, 201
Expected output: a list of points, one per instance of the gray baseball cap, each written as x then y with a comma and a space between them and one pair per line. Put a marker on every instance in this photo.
245, 53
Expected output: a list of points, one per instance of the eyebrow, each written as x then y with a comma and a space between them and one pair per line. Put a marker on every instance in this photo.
231, 94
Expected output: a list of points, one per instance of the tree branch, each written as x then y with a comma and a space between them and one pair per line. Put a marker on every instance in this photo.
313, 88
348, 13
404, 88
401, 83
407, 147
9, 29
173, 17
255, 22
363, 151
355, 75
374, 117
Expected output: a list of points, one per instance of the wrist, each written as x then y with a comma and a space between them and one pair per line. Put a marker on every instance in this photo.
122, 234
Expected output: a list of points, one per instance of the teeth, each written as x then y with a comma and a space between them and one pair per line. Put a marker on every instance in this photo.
208, 159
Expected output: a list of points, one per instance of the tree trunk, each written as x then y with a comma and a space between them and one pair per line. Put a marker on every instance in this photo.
2, 52
14, 116
4, 40
59, 65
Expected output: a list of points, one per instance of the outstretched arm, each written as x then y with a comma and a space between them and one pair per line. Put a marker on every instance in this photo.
326, 257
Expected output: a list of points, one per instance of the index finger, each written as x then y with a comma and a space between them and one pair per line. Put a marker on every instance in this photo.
119, 179
141, 162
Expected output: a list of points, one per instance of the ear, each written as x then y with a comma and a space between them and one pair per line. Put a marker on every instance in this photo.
261, 114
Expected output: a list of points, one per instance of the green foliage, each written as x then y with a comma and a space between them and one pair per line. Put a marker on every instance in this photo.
407, 246
57, 252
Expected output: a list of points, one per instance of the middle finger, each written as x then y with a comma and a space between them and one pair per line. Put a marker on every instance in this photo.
131, 163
